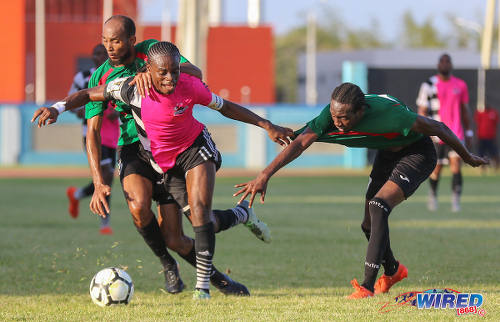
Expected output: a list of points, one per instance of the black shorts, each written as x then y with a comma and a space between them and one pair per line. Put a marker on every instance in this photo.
108, 155
133, 160
202, 150
488, 148
408, 168
444, 152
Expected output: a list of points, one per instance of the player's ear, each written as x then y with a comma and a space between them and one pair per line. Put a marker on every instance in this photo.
132, 40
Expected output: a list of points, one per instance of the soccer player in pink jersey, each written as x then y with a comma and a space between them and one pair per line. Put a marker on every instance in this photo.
181, 146
444, 98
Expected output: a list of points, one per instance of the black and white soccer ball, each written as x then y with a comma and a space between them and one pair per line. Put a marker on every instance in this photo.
111, 286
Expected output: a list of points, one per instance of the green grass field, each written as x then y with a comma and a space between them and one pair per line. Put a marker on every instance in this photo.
47, 259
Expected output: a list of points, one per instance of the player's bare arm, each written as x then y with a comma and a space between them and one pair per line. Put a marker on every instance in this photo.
431, 127
49, 115
290, 153
98, 204
467, 124
276, 133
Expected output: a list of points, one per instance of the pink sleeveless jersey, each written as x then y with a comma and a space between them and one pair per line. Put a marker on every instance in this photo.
110, 129
169, 121
452, 93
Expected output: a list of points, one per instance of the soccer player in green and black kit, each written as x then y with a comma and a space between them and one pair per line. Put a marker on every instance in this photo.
405, 158
140, 181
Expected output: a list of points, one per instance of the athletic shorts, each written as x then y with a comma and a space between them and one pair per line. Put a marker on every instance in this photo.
408, 168
488, 148
132, 159
108, 155
202, 150
444, 152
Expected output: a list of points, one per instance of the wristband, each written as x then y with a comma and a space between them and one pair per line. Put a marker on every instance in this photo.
60, 107
469, 133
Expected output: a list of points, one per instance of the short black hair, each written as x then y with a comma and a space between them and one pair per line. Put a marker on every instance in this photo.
128, 24
349, 93
163, 48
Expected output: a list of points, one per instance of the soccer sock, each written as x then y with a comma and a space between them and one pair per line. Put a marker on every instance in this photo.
434, 185
153, 237
86, 191
456, 183
204, 245
191, 259
379, 237
389, 262
230, 217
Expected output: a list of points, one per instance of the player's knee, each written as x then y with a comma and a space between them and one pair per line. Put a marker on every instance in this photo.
141, 212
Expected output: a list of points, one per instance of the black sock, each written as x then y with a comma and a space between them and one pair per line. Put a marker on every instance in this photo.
230, 217
456, 183
153, 237
88, 190
379, 213
434, 185
191, 259
204, 244
390, 263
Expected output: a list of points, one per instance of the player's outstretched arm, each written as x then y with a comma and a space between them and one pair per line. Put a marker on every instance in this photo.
290, 153
278, 134
431, 127
49, 115
98, 203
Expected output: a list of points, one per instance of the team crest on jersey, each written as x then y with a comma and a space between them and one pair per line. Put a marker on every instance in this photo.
179, 109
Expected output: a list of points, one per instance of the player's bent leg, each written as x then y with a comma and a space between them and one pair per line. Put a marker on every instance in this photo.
456, 182
379, 207
138, 194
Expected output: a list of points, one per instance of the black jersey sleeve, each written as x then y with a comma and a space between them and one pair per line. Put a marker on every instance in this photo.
120, 89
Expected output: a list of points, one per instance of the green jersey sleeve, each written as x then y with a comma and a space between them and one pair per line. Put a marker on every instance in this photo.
94, 108
321, 123
404, 118
144, 46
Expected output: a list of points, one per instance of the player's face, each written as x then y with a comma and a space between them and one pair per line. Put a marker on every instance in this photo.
343, 117
99, 56
118, 45
165, 73
444, 65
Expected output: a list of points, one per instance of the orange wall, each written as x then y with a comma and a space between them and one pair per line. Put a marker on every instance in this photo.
12, 57
237, 57
242, 56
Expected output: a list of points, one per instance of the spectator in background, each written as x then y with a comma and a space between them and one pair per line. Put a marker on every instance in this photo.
444, 98
487, 125
110, 131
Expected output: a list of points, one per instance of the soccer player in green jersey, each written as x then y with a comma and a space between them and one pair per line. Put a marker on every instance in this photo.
405, 158
140, 182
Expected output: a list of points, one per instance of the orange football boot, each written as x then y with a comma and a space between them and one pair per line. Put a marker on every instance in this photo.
106, 230
361, 292
384, 283
73, 203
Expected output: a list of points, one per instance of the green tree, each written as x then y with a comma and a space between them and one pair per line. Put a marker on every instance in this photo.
331, 33
420, 36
